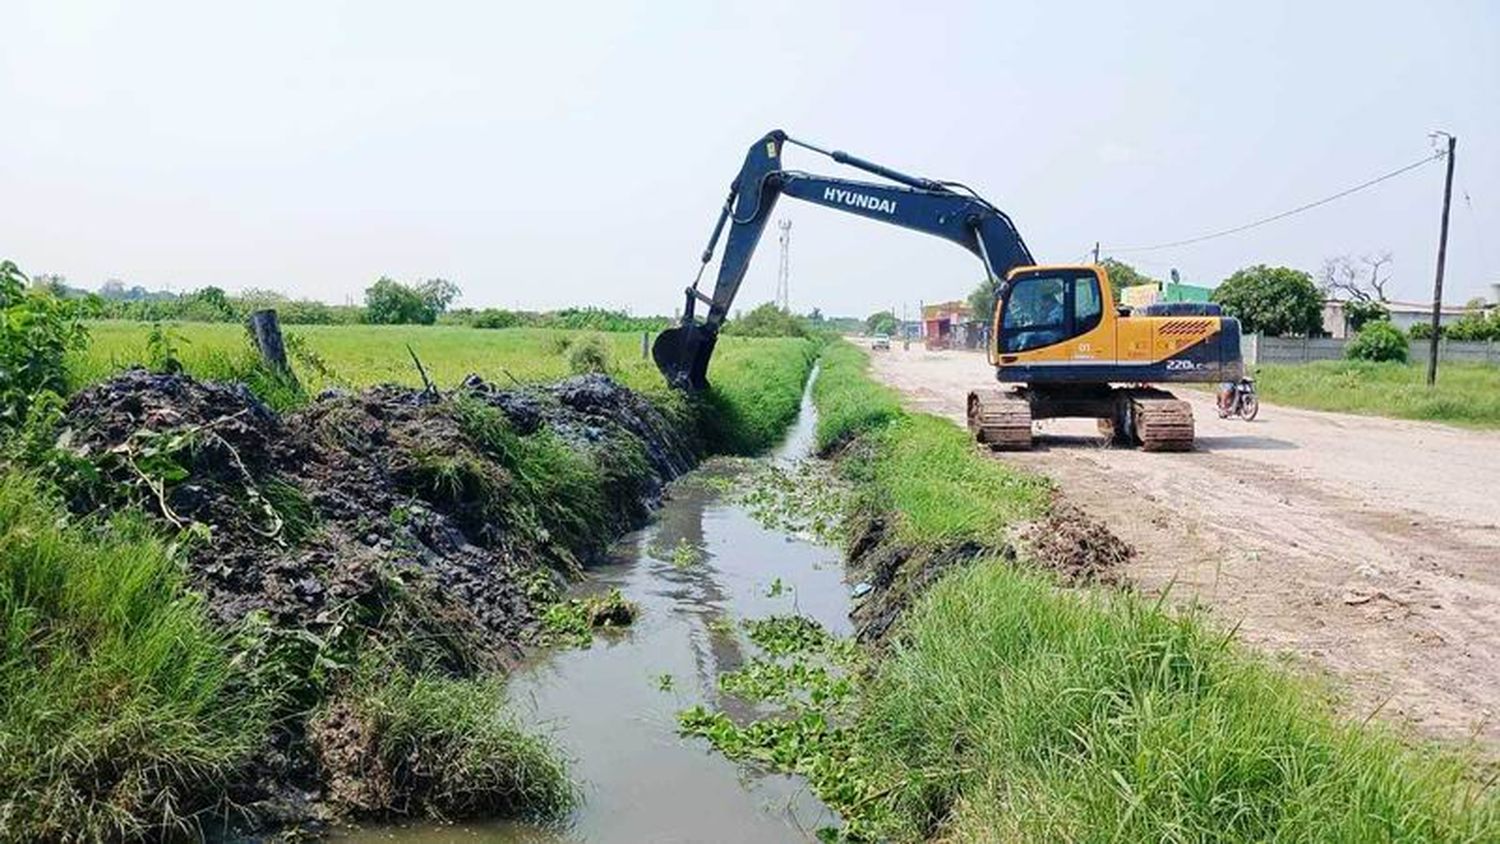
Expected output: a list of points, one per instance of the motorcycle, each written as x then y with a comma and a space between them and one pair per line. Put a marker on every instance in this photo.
1244, 403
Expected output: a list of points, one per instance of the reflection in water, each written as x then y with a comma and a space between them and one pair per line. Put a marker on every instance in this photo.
607, 709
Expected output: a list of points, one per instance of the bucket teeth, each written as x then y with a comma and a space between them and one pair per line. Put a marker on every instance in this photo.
1000, 420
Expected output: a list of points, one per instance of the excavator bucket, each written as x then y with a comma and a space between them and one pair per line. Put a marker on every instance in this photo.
682, 355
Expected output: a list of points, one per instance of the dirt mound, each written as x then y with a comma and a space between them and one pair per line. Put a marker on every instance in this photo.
1077, 546
390, 507
890, 575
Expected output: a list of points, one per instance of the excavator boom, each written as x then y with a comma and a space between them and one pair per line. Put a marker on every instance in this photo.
943, 209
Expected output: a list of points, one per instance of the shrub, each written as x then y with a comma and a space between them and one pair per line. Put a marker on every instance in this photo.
389, 302
497, 318
767, 320
589, 353
1379, 341
37, 330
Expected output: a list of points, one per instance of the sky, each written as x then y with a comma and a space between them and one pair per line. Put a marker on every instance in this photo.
550, 154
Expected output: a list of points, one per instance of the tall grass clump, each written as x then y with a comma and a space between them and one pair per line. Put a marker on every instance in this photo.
1007, 710
849, 402
552, 486
448, 746
120, 710
1466, 393
920, 468
755, 391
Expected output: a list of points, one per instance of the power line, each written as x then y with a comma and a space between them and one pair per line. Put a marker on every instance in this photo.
1283, 215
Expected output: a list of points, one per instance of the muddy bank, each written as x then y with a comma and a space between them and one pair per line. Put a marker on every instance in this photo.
890, 574
430, 530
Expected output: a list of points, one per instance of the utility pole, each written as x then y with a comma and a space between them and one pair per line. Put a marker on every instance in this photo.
1437, 284
784, 271
1096, 252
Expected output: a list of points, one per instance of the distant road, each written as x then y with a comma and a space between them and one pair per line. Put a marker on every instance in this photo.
1368, 546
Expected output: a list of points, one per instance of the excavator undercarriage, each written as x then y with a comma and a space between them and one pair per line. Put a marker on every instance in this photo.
1147, 417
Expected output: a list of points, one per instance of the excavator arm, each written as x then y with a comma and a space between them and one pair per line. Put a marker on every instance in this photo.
945, 209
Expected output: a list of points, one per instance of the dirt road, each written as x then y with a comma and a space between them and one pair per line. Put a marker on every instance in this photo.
1370, 547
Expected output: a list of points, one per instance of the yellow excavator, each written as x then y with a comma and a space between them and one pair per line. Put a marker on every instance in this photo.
1061, 342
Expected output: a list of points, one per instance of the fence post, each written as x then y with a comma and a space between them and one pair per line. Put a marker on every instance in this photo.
645, 345
265, 330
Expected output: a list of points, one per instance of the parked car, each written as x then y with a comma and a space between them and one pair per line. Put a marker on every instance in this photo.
881, 342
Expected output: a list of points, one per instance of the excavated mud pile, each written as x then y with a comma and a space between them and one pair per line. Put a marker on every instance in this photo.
396, 508
1078, 548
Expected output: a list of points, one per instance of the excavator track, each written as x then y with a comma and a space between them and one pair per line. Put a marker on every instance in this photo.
1000, 420
1161, 421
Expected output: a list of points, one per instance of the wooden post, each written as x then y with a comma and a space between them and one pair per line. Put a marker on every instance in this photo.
645, 345
265, 330
1442, 260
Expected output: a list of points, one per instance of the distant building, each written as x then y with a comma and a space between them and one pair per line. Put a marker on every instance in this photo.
1403, 315
1140, 295
943, 324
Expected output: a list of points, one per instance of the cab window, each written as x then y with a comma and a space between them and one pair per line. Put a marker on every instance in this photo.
1088, 308
1034, 313
1042, 310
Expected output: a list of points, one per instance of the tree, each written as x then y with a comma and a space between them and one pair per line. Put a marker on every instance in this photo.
982, 302
438, 294
1272, 300
1343, 278
1123, 275
389, 302
881, 322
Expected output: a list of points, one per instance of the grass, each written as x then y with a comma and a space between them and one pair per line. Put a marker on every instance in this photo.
447, 744
756, 391
121, 711
1009, 709
1466, 394
1005, 708
917, 466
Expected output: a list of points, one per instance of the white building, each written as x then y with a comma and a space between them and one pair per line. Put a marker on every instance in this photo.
1403, 314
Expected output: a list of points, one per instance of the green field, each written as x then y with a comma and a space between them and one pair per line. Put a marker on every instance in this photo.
1005, 708
1466, 394
361, 355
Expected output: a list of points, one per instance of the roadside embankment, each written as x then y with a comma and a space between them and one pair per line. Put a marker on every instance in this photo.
218, 614
1466, 394
1006, 700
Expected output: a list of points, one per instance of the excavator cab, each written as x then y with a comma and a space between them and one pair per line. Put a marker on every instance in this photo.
1064, 325
1052, 313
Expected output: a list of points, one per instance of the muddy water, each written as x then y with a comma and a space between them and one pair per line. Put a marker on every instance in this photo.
612, 708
